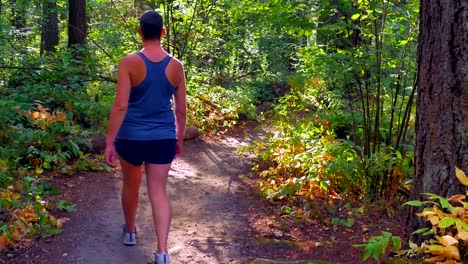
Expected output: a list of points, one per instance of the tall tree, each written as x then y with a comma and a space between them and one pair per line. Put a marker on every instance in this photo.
76, 22
50, 30
441, 116
18, 18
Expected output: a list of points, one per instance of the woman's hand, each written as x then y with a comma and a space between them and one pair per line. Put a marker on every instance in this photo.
109, 155
179, 146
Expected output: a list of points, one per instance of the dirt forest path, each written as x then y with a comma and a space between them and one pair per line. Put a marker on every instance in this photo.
210, 209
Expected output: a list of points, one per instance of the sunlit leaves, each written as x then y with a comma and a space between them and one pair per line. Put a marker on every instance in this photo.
461, 176
377, 245
449, 226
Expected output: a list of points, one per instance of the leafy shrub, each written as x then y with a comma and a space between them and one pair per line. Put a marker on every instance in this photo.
377, 245
24, 211
302, 156
214, 108
448, 235
446, 238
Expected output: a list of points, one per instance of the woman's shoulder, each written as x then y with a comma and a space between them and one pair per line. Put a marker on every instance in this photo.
176, 63
131, 60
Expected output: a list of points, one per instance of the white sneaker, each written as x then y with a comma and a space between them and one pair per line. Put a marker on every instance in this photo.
161, 258
128, 238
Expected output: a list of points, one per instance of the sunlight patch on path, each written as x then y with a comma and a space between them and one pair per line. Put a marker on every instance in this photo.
267, 261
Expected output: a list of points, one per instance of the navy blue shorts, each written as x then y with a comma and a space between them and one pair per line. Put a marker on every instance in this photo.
136, 152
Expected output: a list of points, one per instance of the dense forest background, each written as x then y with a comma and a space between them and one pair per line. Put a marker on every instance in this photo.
334, 81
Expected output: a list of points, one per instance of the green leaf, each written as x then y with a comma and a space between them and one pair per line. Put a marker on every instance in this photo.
413, 246
376, 252
445, 204
396, 240
446, 222
355, 16
347, 223
367, 253
414, 203
420, 231
46, 165
461, 225
386, 234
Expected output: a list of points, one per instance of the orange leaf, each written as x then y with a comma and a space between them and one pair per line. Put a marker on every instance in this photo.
434, 259
457, 198
452, 252
15, 236
34, 115
2, 243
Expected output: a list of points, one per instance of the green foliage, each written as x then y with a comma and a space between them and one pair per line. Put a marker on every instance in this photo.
214, 108
66, 206
377, 245
24, 211
346, 123
338, 75
448, 234
303, 158
336, 222
446, 237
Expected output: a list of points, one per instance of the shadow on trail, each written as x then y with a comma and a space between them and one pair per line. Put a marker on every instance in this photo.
214, 205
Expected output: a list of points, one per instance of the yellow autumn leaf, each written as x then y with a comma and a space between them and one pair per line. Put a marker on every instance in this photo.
452, 252
52, 220
434, 219
451, 261
426, 213
439, 212
447, 240
458, 211
463, 235
61, 221
434, 259
461, 176
299, 212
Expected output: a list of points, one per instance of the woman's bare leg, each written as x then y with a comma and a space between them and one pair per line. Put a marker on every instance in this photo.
131, 185
156, 178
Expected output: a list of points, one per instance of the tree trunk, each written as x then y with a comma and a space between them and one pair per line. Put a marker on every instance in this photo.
441, 121
50, 31
76, 22
18, 19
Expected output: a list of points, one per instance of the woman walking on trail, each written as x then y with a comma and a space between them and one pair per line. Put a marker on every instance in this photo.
144, 131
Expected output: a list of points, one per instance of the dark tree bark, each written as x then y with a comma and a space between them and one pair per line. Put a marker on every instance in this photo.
50, 30
76, 22
441, 116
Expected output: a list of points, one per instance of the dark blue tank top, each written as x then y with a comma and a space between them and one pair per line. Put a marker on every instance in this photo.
150, 115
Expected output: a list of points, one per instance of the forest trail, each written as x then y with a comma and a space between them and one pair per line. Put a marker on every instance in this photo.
210, 208
218, 218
